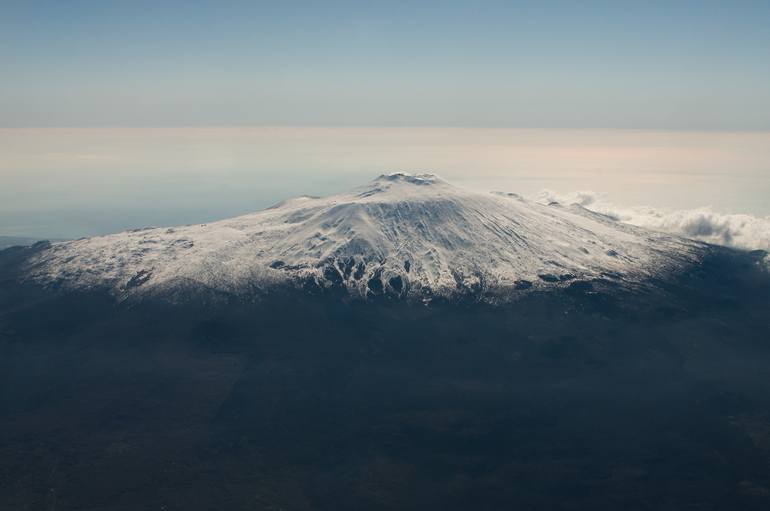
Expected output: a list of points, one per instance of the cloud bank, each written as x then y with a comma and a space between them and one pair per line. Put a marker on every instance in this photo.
733, 230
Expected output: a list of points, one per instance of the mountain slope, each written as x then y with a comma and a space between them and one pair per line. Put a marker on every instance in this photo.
403, 235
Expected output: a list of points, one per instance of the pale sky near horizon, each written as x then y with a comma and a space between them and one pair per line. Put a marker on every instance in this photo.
71, 182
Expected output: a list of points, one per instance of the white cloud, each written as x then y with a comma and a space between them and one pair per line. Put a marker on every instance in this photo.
734, 230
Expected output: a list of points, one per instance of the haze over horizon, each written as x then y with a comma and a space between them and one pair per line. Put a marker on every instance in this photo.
68, 183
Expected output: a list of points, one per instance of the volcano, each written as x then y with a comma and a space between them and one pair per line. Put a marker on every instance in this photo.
415, 237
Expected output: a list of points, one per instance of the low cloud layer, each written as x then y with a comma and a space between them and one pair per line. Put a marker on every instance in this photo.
734, 230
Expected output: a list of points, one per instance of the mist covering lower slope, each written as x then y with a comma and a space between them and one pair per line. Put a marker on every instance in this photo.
401, 235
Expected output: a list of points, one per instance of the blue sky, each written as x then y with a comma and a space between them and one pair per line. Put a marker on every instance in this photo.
658, 65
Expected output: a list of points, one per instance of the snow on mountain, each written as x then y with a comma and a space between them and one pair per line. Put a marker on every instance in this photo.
406, 235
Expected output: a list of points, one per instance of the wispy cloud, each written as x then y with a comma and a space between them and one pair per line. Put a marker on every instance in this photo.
733, 230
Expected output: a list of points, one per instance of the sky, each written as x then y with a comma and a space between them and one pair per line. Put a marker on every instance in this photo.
684, 65
122, 114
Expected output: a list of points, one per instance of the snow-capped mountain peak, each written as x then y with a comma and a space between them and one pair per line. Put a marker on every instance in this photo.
406, 235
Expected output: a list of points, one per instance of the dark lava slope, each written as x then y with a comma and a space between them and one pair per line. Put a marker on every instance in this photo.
597, 397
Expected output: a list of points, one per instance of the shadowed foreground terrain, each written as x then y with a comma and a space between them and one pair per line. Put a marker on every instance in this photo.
570, 399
